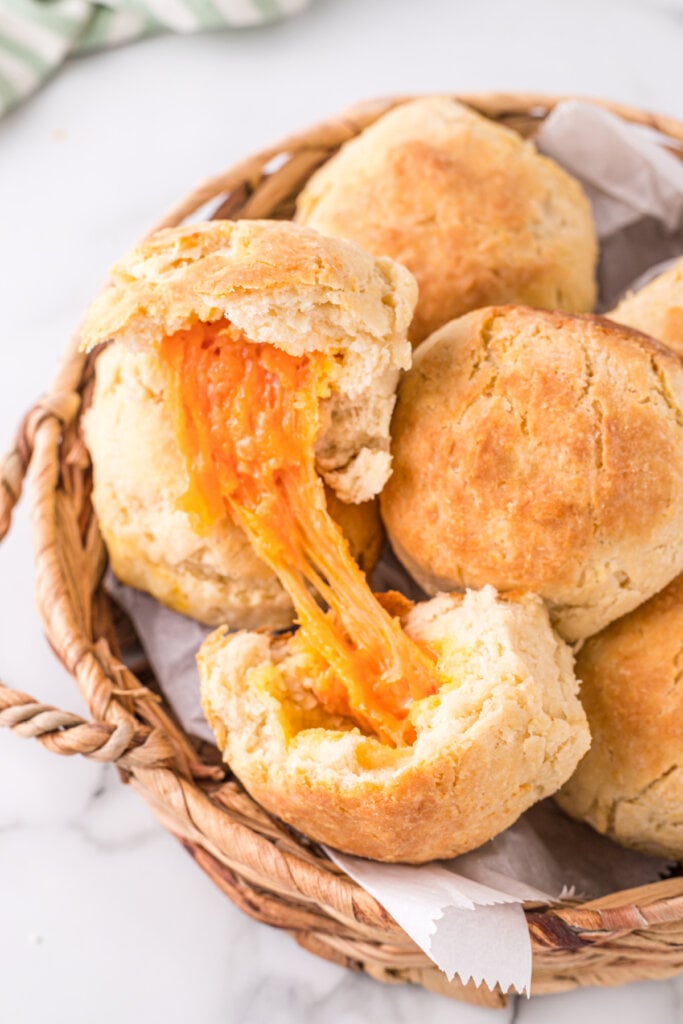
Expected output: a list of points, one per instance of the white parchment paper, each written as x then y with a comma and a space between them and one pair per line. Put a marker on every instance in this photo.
634, 183
466, 914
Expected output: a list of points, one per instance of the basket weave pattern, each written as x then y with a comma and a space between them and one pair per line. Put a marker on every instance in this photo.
266, 869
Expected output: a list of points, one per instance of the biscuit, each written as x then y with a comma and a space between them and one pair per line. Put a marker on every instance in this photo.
286, 285
656, 309
207, 571
504, 730
540, 451
473, 210
630, 783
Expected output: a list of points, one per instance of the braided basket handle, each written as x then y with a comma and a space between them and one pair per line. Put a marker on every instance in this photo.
125, 743
63, 732
60, 404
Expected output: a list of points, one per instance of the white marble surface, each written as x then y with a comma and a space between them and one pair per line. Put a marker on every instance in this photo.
103, 918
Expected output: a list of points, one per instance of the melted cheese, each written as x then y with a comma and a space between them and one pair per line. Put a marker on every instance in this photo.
247, 418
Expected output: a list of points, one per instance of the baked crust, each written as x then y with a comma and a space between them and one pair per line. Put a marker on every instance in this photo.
657, 309
209, 572
276, 281
473, 210
630, 784
542, 451
285, 285
503, 732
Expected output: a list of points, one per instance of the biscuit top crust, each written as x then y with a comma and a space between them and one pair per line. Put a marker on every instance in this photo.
471, 208
278, 282
657, 309
543, 451
632, 694
283, 285
630, 783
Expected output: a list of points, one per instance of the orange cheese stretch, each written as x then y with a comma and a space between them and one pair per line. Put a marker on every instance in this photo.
247, 418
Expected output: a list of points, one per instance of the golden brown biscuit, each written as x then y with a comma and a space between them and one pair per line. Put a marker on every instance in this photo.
304, 333
473, 210
541, 451
630, 783
207, 571
503, 731
657, 309
285, 285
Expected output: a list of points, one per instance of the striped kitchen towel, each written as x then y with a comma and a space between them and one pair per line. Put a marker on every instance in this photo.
37, 36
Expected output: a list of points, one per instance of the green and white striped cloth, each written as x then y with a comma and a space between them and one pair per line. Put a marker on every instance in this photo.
37, 36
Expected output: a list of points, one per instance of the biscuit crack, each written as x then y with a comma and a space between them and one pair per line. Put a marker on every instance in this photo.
596, 413
664, 391
627, 801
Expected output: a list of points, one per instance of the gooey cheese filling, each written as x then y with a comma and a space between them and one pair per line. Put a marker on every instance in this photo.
247, 418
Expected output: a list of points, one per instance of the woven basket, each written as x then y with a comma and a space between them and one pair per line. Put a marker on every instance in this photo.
268, 871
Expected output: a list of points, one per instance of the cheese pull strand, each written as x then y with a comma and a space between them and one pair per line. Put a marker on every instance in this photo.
247, 419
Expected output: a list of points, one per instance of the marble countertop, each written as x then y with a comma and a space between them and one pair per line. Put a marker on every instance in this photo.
103, 917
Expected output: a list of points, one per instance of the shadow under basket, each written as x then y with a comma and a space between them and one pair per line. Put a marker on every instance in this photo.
266, 869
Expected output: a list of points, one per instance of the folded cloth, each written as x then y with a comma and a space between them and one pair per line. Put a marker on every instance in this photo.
37, 36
